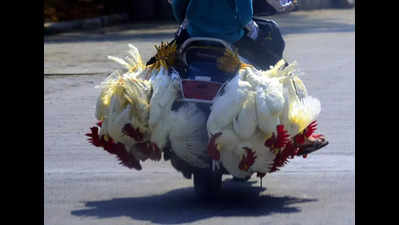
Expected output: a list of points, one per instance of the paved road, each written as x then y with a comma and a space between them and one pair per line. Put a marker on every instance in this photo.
85, 185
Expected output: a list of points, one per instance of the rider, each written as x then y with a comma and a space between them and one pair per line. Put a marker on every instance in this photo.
232, 21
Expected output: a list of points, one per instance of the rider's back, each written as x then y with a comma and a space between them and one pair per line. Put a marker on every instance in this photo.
223, 19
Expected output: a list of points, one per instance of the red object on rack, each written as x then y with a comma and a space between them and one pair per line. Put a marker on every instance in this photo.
201, 90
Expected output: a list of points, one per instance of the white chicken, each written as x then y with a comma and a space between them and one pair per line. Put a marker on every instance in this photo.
232, 99
188, 136
237, 137
162, 98
133, 111
299, 109
252, 135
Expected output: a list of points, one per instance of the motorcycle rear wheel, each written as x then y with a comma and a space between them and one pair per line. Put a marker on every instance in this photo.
207, 183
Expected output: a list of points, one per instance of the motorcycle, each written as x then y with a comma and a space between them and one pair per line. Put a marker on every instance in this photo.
201, 81
197, 80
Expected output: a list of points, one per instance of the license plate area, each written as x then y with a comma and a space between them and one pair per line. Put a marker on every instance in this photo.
199, 90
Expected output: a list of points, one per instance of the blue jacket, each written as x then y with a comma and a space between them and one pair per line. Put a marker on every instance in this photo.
214, 18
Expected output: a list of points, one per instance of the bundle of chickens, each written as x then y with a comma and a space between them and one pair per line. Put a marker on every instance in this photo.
254, 126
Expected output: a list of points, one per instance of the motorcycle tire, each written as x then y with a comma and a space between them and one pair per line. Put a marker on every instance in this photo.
207, 183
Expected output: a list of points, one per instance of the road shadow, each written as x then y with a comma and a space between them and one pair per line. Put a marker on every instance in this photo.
183, 206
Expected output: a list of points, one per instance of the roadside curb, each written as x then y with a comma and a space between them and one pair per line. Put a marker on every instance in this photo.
86, 24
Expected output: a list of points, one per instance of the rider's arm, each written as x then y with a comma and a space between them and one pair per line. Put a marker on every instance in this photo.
245, 16
179, 9
245, 11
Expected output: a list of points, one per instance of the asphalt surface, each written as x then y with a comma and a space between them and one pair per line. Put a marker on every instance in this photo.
86, 185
